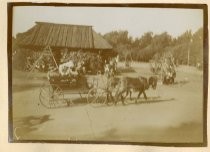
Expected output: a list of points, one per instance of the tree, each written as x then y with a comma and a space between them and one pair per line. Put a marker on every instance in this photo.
118, 37
144, 41
184, 47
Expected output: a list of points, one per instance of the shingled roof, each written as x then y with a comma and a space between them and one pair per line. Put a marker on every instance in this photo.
62, 35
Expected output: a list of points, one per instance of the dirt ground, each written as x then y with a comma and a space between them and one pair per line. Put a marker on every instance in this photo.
172, 114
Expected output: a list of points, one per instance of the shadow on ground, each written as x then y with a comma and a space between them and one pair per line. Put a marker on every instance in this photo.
189, 131
129, 102
23, 126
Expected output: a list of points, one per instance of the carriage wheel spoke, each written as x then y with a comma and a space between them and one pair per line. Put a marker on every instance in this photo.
51, 96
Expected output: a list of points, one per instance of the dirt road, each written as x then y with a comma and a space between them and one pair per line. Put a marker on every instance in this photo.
172, 114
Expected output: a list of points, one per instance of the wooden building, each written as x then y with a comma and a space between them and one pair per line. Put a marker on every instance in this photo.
59, 37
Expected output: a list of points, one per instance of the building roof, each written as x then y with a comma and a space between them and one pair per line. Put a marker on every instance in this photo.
62, 35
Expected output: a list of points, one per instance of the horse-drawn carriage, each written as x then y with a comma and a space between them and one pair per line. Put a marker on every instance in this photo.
165, 67
60, 89
69, 79
98, 89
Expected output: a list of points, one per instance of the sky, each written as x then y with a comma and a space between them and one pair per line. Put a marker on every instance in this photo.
136, 21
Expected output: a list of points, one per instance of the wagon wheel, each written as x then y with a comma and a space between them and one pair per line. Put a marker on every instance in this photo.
51, 96
96, 97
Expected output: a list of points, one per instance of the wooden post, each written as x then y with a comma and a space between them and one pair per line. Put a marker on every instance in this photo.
43, 53
53, 56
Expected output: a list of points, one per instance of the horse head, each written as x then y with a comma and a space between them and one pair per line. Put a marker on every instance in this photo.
153, 81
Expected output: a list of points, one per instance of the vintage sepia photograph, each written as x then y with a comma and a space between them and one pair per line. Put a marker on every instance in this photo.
111, 73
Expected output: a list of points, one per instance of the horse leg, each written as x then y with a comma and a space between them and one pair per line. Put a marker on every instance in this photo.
126, 93
117, 97
122, 92
130, 94
120, 95
140, 92
109, 97
122, 99
145, 96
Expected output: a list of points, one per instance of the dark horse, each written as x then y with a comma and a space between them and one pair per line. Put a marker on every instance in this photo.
140, 84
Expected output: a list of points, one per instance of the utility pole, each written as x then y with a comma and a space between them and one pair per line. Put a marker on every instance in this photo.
188, 53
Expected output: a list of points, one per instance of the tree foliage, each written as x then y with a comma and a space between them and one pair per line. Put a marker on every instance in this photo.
186, 48
149, 44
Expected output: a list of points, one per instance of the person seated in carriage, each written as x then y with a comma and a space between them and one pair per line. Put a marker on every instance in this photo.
169, 72
110, 67
80, 67
69, 73
68, 69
